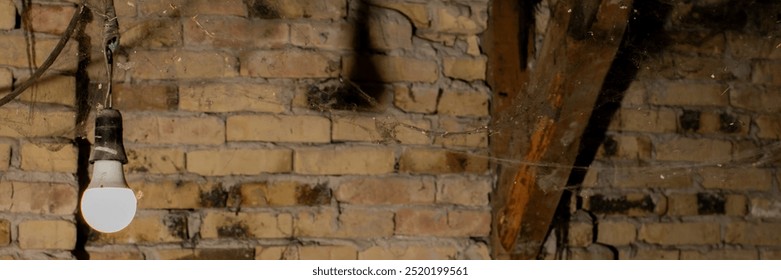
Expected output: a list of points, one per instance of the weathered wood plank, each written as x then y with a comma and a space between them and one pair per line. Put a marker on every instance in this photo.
545, 122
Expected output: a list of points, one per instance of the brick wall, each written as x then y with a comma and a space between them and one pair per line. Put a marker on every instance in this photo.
688, 167
243, 141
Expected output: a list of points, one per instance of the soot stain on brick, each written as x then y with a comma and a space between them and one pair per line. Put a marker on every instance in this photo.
456, 162
690, 120
261, 9
177, 225
619, 205
311, 196
341, 94
728, 123
237, 230
710, 204
611, 146
217, 197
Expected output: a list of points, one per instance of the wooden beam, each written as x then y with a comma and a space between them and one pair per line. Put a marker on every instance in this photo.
543, 125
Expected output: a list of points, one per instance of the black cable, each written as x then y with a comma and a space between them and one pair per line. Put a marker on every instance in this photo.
49, 60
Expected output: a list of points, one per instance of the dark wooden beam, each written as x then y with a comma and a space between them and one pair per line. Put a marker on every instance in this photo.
539, 131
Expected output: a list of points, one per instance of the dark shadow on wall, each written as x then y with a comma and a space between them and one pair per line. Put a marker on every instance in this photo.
644, 36
362, 89
83, 108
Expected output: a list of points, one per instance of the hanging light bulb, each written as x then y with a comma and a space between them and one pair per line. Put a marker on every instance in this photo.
108, 205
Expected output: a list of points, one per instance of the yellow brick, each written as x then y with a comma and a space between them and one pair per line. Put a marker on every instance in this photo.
477, 251
289, 64
232, 98
16, 56
767, 72
348, 223
246, 225
691, 94
419, 99
390, 69
626, 147
445, 223
723, 254
5, 156
441, 161
7, 14
154, 160
135, 97
724, 123
235, 33
408, 252
380, 129
690, 149
5, 232
146, 33
769, 126
279, 128
175, 254
648, 178
388, 30
344, 160
654, 254
327, 9
146, 229
736, 178
6, 195
54, 89
756, 98
770, 255
461, 133
283, 193
179, 64
49, 157
743, 233
41, 234
20, 121
274, 252
468, 69
50, 18
459, 103
6, 77
463, 191
416, 12
616, 233
364, 223
682, 205
167, 194
115, 255
658, 121
409, 131
459, 20
580, 234
203, 130
680, 233
735, 205
389, 190
38, 198
190, 8
238, 161
355, 128
328, 36
327, 253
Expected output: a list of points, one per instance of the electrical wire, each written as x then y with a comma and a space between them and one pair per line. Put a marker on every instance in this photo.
110, 45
